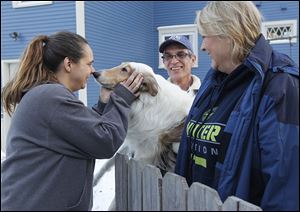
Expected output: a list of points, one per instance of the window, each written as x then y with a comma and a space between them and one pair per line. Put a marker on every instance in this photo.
278, 32
189, 30
8, 71
18, 4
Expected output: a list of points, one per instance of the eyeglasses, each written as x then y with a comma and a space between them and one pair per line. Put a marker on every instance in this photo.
178, 56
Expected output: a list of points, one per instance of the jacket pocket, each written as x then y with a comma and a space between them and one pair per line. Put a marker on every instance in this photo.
76, 206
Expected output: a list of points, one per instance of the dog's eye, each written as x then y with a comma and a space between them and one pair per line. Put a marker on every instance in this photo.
124, 69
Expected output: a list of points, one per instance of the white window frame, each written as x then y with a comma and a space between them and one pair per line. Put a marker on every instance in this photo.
187, 29
293, 36
19, 4
80, 29
7, 75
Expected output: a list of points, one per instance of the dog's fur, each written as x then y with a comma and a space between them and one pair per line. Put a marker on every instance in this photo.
156, 118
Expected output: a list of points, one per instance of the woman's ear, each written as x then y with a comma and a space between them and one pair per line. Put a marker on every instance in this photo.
149, 85
67, 64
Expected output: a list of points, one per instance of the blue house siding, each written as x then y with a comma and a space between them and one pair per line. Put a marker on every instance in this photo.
279, 11
32, 21
184, 12
123, 30
118, 32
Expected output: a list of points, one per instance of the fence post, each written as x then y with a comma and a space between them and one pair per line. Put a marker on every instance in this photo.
135, 195
236, 204
203, 198
152, 183
174, 193
121, 182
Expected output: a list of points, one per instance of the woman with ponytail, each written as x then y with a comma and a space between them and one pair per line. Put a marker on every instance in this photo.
54, 138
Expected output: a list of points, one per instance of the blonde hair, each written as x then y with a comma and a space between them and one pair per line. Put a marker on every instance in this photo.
240, 21
39, 64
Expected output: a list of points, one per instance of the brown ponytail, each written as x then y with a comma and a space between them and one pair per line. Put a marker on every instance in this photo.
39, 64
31, 72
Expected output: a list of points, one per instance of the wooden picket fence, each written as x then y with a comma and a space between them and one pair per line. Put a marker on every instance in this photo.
141, 187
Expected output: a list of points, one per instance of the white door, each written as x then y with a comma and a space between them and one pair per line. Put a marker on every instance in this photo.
9, 69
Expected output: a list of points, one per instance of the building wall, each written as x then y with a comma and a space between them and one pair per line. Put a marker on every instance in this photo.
118, 31
32, 21
278, 11
184, 12
122, 30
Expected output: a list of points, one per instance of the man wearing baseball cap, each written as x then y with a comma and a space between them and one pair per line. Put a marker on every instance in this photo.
179, 58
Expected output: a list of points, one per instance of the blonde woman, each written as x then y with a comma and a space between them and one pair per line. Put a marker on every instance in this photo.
242, 133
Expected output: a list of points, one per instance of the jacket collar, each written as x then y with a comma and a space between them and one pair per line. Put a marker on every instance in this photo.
262, 58
259, 57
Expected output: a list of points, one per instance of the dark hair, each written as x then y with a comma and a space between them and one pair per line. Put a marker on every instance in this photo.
40, 62
62, 45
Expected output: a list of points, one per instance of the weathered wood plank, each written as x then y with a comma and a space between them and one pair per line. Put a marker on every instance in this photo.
174, 193
203, 198
135, 194
233, 203
152, 183
121, 182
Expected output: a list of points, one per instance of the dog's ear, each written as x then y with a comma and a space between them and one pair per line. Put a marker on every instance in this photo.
149, 85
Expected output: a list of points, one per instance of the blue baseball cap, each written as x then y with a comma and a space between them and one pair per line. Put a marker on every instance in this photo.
183, 40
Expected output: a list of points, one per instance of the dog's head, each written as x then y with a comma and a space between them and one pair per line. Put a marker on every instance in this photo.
109, 78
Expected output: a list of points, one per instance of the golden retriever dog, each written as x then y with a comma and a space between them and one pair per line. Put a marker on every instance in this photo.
156, 118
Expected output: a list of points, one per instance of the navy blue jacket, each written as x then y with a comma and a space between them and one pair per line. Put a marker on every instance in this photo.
262, 159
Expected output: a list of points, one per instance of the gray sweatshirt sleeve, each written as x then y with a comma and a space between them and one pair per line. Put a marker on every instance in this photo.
86, 133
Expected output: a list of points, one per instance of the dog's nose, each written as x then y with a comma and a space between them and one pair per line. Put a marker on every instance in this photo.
96, 74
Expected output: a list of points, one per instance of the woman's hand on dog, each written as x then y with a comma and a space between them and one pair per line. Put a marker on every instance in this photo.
133, 83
